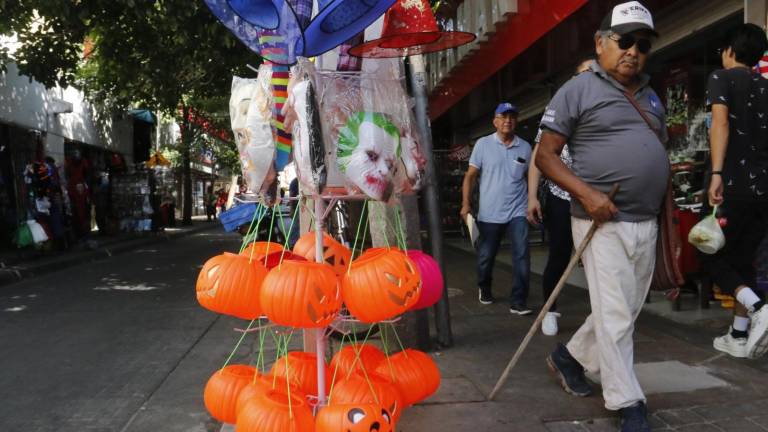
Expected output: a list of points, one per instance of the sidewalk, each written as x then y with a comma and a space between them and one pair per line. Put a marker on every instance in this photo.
689, 385
26, 264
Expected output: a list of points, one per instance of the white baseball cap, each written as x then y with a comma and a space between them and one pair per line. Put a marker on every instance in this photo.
628, 17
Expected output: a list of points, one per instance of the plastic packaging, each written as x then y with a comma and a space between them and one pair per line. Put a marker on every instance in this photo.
250, 109
371, 142
707, 235
302, 117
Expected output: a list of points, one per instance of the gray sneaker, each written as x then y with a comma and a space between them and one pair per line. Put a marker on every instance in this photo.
757, 343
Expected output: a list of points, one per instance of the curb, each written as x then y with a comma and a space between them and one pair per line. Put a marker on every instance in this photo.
17, 273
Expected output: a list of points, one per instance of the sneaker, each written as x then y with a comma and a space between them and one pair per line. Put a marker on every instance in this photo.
520, 309
735, 347
485, 299
757, 343
634, 418
549, 325
569, 372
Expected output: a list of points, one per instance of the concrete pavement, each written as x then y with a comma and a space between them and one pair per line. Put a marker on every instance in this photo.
121, 345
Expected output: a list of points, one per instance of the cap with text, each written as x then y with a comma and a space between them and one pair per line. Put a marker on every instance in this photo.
627, 18
506, 107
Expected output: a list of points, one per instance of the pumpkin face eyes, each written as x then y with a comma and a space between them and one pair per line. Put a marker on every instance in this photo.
356, 415
385, 415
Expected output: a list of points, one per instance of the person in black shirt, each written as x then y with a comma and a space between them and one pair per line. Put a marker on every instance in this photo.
738, 97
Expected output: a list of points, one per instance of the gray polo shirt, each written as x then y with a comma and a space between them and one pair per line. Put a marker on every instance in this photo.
503, 186
611, 143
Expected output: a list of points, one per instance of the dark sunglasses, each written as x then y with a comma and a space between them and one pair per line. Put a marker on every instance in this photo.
628, 41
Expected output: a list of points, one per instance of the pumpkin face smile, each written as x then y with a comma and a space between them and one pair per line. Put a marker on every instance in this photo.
354, 418
380, 285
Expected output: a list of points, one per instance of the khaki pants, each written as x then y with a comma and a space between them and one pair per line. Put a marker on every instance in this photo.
618, 264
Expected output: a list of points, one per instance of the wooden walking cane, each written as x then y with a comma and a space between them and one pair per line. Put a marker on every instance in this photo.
560, 284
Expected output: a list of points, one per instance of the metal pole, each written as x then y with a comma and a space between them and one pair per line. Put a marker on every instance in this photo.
419, 88
320, 333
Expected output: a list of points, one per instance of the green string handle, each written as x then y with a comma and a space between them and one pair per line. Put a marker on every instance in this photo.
237, 346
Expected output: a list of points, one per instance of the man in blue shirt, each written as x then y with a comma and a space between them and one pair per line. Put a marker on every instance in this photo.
501, 161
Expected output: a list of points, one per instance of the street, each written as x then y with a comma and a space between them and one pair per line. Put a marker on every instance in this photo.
121, 345
117, 345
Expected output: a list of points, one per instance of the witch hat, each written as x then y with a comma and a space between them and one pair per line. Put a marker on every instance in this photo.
340, 20
410, 28
270, 28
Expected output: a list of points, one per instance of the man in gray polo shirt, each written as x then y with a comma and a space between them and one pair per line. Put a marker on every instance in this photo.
610, 142
501, 161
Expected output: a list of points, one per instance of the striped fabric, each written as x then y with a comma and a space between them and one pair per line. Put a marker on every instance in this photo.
283, 140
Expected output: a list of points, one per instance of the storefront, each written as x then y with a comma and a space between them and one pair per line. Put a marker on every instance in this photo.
683, 57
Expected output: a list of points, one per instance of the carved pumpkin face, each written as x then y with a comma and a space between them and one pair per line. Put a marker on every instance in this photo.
229, 284
354, 418
301, 294
335, 254
380, 285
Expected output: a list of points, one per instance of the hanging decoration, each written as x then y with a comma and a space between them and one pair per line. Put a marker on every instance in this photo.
380, 285
335, 254
340, 20
368, 388
250, 109
301, 294
276, 410
432, 283
410, 28
414, 373
269, 28
303, 120
260, 385
367, 149
299, 369
355, 357
229, 284
354, 418
259, 249
223, 389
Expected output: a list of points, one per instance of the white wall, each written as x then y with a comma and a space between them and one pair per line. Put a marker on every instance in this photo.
28, 104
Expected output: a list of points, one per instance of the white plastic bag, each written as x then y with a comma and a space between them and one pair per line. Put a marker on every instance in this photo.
38, 233
707, 236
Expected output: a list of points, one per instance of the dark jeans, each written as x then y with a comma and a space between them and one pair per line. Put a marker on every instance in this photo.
557, 220
734, 264
488, 246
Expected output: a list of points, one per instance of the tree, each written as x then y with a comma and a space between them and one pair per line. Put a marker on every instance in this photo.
164, 55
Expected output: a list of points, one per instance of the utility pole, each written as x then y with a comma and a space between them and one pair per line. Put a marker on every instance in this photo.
430, 194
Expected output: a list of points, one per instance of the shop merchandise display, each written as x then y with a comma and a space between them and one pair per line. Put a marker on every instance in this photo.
296, 293
250, 110
370, 137
137, 195
275, 30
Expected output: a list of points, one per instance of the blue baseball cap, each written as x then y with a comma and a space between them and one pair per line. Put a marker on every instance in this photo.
506, 107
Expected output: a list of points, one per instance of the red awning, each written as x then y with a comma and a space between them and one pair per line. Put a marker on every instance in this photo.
534, 19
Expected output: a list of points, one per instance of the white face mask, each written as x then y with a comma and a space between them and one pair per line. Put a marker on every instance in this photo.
370, 165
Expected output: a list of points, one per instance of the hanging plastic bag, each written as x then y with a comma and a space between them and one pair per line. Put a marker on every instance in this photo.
250, 108
38, 233
707, 235
302, 117
23, 236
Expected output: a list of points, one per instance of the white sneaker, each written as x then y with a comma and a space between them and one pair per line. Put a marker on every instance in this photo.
757, 344
735, 347
549, 324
